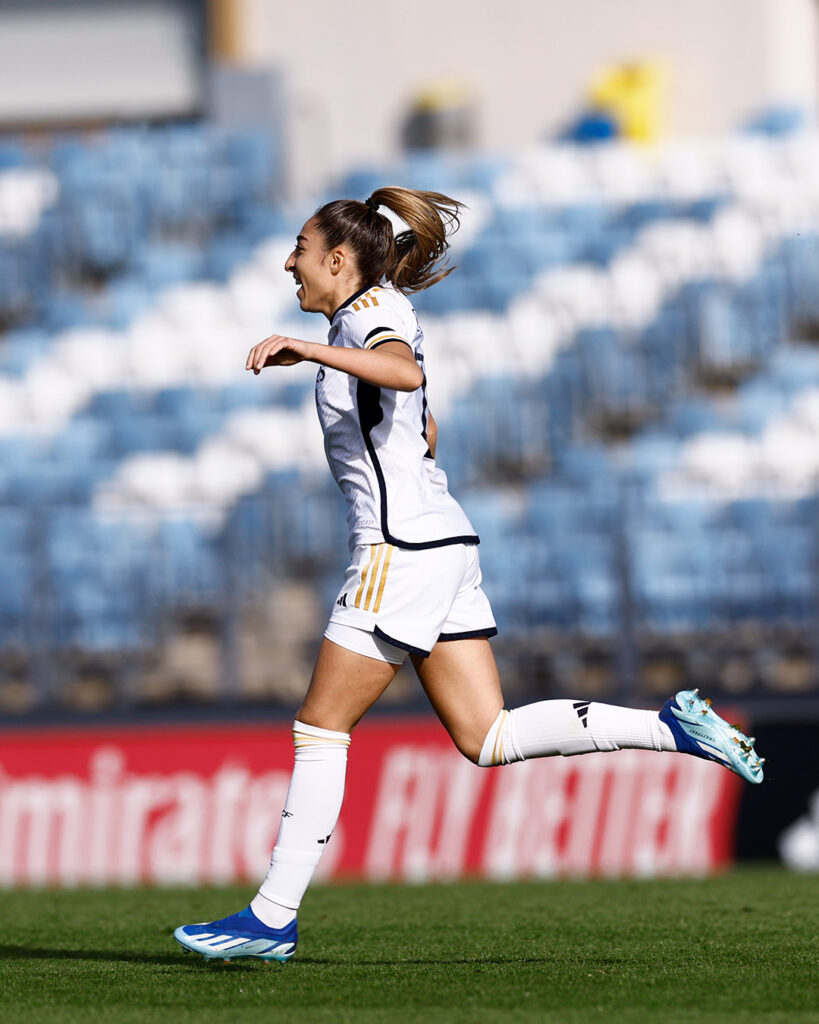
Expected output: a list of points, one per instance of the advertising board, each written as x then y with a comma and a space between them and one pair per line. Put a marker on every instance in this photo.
201, 805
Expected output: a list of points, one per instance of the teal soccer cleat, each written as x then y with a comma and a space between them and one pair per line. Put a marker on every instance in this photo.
239, 935
699, 730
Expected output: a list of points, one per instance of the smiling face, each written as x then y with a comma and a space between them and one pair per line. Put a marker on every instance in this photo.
322, 276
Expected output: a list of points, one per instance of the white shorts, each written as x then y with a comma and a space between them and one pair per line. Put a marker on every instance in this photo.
409, 600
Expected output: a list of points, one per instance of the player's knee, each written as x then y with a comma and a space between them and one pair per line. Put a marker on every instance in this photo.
322, 718
499, 744
471, 741
316, 737
470, 747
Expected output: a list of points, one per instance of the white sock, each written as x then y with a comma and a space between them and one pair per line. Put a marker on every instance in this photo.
308, 819
571, 727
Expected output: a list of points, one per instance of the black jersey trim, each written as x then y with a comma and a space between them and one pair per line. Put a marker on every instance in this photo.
379, 632
370, 414
424, 406
384, 341
424, 403
487, 632
352, 298
378, 330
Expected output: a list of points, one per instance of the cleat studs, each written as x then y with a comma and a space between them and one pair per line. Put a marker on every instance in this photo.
761, 761
708, 701
695, 691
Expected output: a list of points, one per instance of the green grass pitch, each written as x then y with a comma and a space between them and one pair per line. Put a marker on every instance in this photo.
741, 947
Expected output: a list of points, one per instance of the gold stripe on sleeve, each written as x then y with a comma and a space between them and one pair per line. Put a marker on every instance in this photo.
385, 336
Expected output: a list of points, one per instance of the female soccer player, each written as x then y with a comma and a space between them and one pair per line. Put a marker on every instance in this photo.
413, 585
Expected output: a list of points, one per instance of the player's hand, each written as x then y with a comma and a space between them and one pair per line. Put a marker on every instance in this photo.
276, 350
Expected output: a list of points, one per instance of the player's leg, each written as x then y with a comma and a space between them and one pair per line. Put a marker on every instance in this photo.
461, 680
460, 677
345, 684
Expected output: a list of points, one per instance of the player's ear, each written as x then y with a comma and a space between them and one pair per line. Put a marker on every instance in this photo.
337, 261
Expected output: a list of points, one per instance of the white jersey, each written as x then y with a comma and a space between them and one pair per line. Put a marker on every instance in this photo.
376, 439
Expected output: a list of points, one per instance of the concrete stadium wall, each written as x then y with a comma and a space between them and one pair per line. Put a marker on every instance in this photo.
352, 68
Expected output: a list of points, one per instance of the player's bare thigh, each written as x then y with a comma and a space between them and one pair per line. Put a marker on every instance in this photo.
460, 677
344, 686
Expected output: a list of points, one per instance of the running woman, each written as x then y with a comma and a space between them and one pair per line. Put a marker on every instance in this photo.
413, 585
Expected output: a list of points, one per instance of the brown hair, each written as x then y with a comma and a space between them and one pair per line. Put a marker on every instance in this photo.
412, 260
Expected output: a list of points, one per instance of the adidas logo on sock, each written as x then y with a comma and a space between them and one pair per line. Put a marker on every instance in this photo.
582, 709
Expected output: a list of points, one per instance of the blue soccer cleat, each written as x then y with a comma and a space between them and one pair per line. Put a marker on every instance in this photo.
699, 730
241, 934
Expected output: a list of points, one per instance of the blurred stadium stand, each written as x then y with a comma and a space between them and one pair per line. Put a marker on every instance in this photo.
624, 368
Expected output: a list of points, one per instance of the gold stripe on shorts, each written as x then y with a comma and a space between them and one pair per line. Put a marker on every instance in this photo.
374, 576
360, 591
383, 578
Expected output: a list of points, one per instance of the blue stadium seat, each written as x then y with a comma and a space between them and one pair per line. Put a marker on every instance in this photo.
142, 208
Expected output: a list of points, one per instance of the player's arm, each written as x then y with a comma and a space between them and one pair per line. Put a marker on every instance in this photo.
432, 433
390, 365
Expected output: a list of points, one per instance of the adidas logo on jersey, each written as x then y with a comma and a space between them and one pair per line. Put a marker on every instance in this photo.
342, 601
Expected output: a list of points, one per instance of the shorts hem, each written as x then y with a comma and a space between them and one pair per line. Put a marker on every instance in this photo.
354, 618
379, 632
348, 637
469, 634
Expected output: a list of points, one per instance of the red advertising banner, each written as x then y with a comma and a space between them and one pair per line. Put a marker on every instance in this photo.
202, 805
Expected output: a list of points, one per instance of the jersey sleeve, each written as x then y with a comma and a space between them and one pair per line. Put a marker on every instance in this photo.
375, 319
